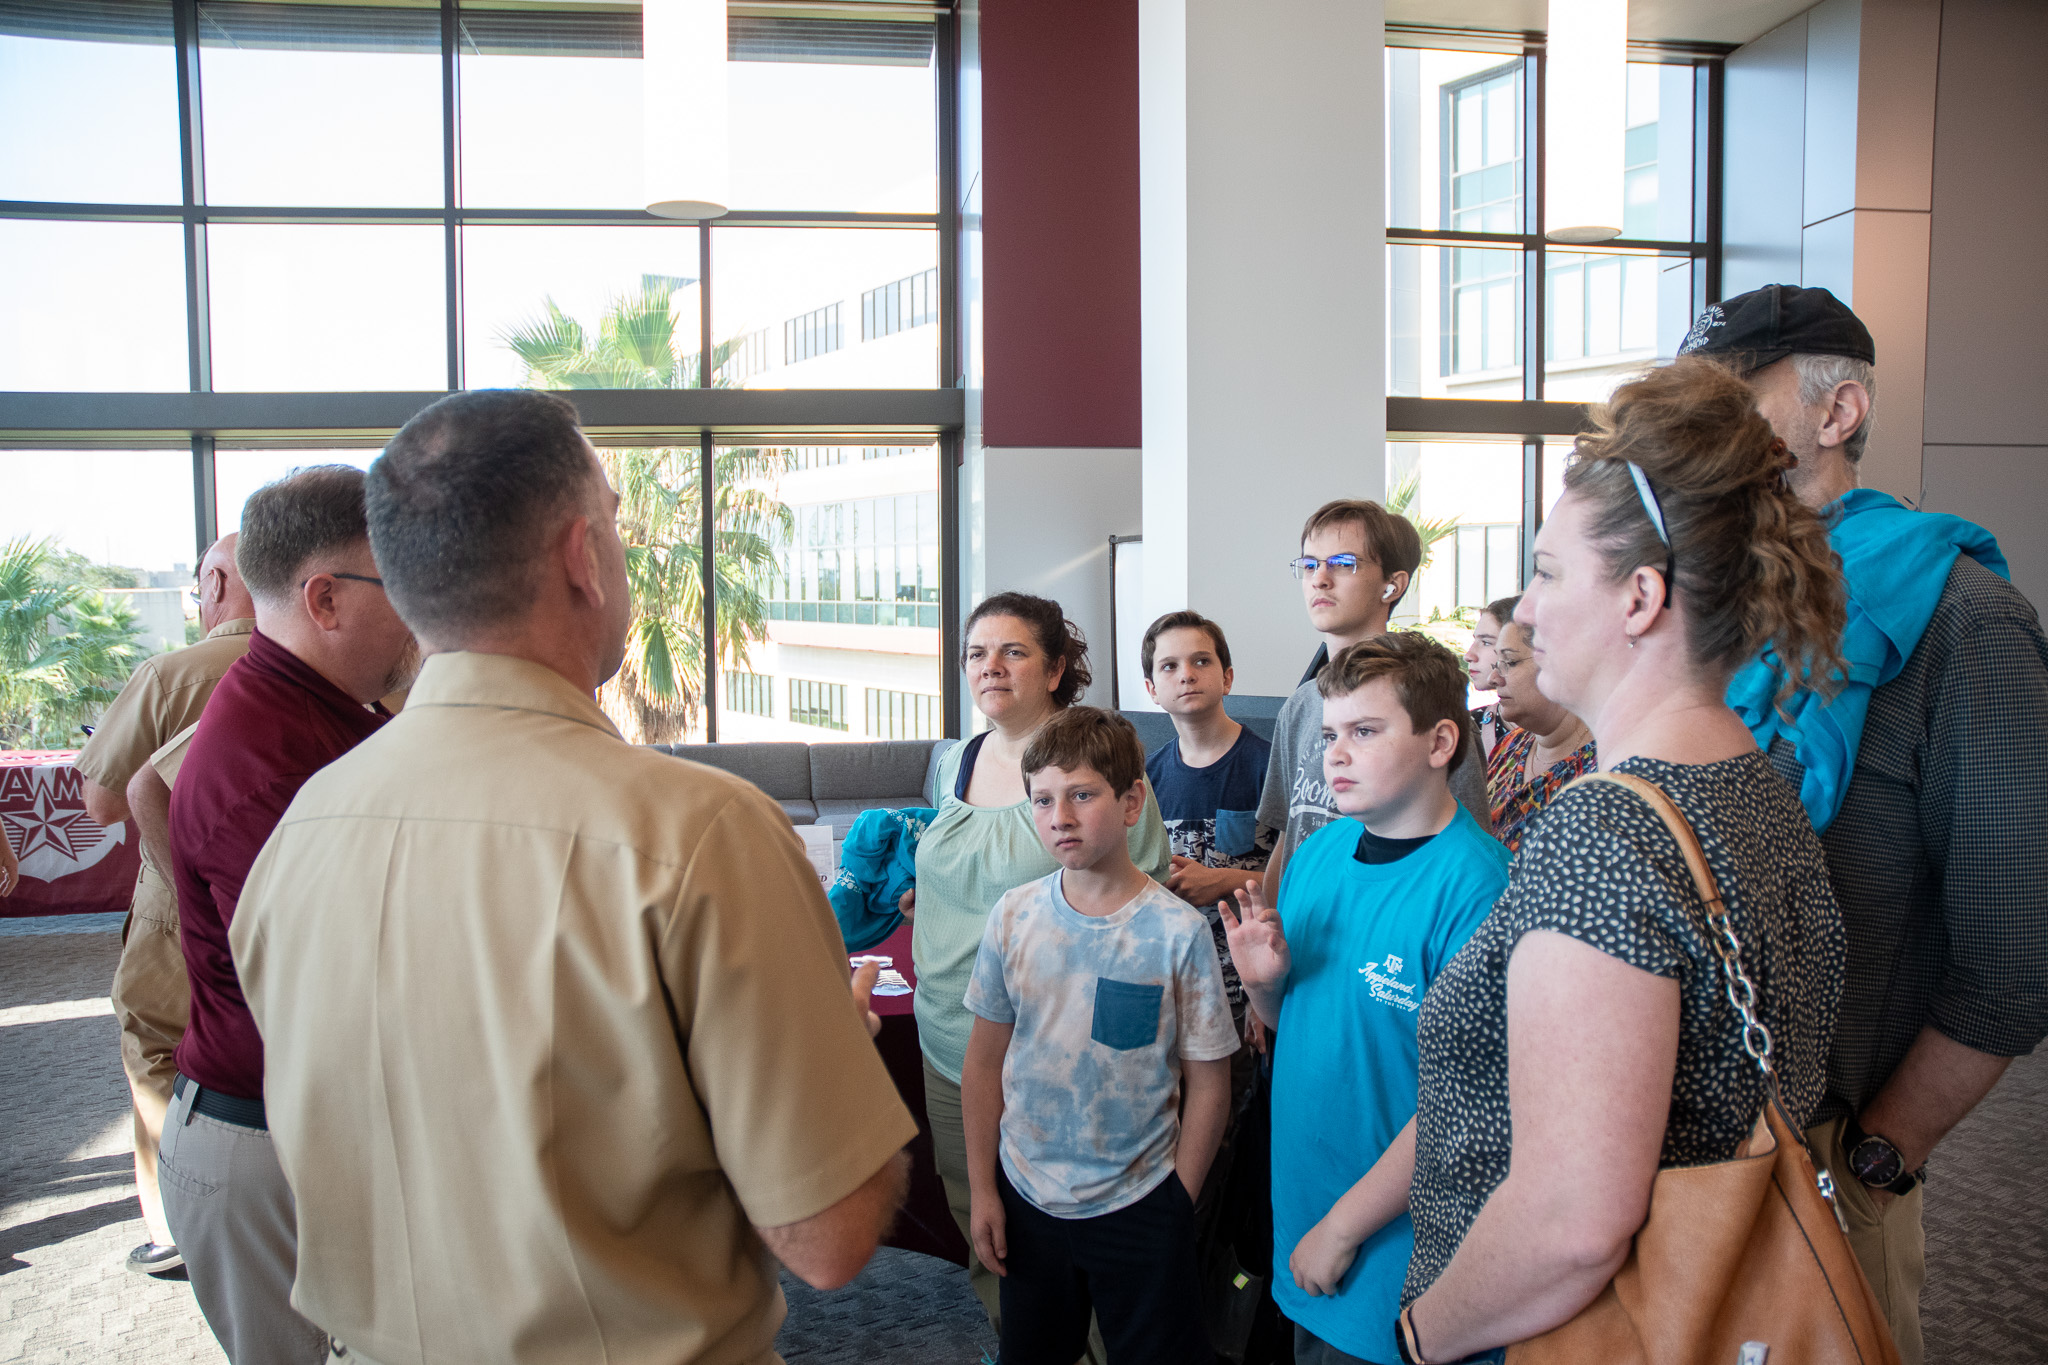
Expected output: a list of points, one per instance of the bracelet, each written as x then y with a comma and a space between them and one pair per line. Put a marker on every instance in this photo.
1405, 1340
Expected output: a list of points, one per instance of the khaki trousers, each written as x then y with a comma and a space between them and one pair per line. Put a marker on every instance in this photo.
152, 1000
949, 1153
237, 1227
1890, 1243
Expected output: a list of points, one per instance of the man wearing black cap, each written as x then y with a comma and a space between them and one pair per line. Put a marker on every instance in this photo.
1922, 775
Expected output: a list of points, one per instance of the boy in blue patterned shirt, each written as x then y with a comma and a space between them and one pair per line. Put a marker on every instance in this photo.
1099, 1008
1207, 780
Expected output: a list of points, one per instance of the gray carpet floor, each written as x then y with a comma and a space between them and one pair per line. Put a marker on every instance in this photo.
68, 1213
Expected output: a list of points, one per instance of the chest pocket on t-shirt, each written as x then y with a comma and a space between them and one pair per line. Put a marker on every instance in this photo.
1236, 832
1126, 1014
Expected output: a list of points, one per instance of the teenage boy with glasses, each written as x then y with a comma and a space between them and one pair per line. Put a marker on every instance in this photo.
1357, 560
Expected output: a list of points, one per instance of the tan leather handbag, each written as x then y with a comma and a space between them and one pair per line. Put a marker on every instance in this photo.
1742, 1262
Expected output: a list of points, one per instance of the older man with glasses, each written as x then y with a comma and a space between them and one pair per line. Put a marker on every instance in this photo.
1922, 777
164, 696
327, 645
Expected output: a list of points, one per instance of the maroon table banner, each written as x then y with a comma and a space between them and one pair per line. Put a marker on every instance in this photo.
69, 864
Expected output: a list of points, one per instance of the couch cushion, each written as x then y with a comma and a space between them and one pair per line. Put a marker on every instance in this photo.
843, 772
931, 772
1155, 729
1256, 714
840, 814
781, 770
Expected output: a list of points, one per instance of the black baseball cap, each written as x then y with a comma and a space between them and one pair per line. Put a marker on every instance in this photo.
1766, 325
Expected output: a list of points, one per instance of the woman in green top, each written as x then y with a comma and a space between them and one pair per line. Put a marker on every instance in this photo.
1024, 662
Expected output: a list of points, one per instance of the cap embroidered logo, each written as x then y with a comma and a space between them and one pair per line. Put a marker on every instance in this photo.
1705, 323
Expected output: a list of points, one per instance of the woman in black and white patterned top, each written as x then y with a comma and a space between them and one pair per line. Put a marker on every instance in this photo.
1583, 1039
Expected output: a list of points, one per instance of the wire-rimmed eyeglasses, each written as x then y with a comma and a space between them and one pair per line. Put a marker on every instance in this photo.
1308, 564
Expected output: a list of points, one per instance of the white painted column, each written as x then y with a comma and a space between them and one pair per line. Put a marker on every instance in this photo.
1263, 269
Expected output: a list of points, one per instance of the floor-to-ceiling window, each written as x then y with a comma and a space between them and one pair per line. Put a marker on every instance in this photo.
1496, 337
240, 237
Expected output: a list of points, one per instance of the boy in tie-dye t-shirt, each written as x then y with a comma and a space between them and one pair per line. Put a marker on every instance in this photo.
1097, 1000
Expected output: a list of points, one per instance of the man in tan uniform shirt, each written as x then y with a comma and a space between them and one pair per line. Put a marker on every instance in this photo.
163, 696
558, 1040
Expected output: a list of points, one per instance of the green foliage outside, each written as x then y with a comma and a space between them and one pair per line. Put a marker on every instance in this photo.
1454, 628
1401, 501
657, 697
65, 648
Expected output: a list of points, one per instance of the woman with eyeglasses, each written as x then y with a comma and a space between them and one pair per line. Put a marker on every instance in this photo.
1584, 1038
1546, 746
1487, 722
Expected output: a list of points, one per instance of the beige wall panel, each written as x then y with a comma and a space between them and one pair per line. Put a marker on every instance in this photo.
2005, 490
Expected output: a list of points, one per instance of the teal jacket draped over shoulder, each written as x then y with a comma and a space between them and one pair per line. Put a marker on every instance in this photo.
1896, 562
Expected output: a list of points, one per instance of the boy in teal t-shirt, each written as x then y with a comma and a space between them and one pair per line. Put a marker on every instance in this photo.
1373, 908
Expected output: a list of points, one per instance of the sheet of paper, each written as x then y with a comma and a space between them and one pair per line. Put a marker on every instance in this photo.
819, 848
891, 981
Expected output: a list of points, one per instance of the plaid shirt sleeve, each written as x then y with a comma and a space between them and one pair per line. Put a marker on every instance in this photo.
1984, 817
1939, 856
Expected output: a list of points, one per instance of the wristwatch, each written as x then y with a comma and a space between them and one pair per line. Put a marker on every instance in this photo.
1876, 1162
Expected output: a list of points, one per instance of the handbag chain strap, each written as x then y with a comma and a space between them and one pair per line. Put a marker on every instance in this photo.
1727, 945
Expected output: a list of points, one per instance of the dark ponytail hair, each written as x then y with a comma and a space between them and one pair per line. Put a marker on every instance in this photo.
1060, 638
1752, 562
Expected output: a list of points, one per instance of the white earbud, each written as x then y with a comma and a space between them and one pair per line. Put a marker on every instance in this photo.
1388, 595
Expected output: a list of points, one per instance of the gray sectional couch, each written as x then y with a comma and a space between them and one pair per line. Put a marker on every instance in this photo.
829, 784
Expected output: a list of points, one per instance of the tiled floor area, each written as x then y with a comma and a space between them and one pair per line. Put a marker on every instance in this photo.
68, 1214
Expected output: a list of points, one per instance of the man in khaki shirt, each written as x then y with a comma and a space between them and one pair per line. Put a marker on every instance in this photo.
163, 696
149, 795
558, 1041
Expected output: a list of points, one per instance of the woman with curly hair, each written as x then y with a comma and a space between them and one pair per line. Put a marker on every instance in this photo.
1584, 1038
1025, 663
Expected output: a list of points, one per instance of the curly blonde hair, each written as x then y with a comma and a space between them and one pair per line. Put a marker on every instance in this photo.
1753, 562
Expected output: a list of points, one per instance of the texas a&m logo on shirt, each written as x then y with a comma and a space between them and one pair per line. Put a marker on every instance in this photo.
1383, 980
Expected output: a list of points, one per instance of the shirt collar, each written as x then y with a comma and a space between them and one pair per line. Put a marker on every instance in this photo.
241, 625
463, 678
1315, 665
268, 656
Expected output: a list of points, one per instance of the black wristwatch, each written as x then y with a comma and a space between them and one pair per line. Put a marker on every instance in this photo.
1876, 1162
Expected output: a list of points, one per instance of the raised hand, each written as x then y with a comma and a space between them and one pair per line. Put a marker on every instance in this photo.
1257, 944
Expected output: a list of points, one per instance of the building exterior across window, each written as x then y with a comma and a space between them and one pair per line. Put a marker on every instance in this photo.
750, 693
816, 333
849, 598
904, 715
822, 704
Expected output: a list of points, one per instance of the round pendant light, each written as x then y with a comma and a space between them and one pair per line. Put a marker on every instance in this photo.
688, 164
1585, 109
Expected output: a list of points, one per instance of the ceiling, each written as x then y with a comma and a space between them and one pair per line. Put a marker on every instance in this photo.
1697, 21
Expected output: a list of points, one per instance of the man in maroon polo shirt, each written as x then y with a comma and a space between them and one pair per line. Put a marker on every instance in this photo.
327, 644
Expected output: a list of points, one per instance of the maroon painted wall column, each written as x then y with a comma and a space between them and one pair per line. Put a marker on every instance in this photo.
1059, 157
